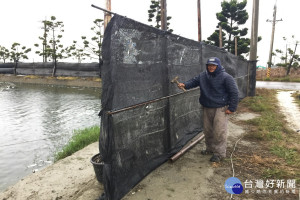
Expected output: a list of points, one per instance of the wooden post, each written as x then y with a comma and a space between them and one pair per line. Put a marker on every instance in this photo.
199, 20
220, 37
253, 50
254, 31
107, 16
235, 45
163, 16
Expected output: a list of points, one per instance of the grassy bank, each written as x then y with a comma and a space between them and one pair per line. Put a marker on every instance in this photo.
49, 80
281, 79
79, 140
278, 155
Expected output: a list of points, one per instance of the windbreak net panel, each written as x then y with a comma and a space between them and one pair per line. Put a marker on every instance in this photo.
145, 118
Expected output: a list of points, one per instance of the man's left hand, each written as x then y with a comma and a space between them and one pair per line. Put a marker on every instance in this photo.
228, 112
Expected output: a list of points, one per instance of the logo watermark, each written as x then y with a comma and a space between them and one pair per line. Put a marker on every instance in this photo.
259, 186
270, 186
233, 185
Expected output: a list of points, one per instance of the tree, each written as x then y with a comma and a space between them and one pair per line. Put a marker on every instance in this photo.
94, 47
52, 46
232, 16
90, 48
155, 12
43, 52
16, 54
74, 51
295, 64
4, 53
290, 55
283, 55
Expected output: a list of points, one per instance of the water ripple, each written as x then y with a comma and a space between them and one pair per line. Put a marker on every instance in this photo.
36, 121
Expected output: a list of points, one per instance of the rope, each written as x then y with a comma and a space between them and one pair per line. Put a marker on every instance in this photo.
232, 161
241, 76
232, 154
232, 167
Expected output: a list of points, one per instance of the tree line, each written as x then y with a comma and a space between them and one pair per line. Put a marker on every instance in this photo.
231, 18
51, 49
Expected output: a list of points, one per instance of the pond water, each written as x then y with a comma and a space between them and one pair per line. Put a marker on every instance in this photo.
36, 121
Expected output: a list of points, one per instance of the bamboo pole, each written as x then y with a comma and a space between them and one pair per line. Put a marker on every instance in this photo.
194, 141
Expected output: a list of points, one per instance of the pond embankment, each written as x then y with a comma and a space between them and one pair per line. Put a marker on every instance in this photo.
49, 80
70, 178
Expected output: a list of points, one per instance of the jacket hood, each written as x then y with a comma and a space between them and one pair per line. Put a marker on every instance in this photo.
214, 61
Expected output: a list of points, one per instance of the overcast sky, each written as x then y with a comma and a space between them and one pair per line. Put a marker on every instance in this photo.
20, 20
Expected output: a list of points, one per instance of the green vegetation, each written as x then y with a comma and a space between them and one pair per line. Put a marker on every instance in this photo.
289, 58
281, 79
270, 125
80, 139
89, 48
232, 16
154, 14
51, 49
16, 53
289, 154
274, 172
271, 130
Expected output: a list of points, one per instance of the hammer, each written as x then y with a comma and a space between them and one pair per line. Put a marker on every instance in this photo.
175, 80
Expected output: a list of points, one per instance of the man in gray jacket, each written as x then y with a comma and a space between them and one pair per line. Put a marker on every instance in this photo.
219, 98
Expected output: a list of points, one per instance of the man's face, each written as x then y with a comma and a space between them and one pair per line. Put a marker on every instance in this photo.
211, 68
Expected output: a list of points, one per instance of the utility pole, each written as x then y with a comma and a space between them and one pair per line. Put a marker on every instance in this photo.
199, 20
107, 16
272, 39
254, 31
163, 17
253, 50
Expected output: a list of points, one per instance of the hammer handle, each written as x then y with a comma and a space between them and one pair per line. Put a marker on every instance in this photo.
180, 88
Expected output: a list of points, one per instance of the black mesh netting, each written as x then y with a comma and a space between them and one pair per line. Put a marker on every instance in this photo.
145, 118
46, 69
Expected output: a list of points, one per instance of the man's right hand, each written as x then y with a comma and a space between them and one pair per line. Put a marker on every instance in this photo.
181, 86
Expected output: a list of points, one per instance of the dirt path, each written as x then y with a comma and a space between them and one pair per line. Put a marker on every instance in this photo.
289, 108
192, 176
